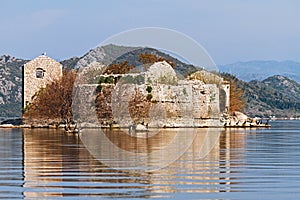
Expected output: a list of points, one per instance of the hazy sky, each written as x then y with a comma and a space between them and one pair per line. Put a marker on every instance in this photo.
231, 30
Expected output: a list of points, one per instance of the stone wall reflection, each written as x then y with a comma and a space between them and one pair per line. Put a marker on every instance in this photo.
57, 164
47, 154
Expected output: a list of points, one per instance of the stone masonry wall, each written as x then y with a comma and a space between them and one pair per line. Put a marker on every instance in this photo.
189, 104
174, 103
52, 70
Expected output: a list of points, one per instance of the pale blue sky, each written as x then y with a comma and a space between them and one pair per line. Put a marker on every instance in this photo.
231, 30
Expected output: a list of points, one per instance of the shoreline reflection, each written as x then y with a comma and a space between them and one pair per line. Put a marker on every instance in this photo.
58, 164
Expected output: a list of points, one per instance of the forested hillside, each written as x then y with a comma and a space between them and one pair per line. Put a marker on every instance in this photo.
276, 95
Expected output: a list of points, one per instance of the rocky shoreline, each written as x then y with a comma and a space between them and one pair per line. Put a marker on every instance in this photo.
235, 120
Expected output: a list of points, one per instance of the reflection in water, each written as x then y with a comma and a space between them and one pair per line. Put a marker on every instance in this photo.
41, 163
118, 150
11, 164
50, 163
58, 164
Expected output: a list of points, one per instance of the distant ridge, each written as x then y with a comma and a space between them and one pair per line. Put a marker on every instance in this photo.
277, 95
260, 70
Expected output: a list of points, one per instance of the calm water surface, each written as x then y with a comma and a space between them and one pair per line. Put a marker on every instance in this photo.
245, 164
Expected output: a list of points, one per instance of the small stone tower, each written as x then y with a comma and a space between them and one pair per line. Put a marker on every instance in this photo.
225, 97
37, 74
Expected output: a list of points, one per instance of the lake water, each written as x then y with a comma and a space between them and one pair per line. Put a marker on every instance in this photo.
243, 164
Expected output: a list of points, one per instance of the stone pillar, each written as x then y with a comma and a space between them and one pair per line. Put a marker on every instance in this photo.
226, 88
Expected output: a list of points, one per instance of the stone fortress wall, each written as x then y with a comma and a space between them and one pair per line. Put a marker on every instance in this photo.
175, 103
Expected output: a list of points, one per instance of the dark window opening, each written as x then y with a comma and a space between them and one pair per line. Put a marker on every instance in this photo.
40, 73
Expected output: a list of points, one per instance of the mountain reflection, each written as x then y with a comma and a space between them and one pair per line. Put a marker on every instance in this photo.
59, 164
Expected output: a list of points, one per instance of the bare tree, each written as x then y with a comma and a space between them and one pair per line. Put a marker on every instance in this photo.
54, 102
146, 58
139, 107
103, 104
237, 102
118, 68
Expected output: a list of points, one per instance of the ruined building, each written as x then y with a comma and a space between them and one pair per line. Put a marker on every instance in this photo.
156, 97
37, 74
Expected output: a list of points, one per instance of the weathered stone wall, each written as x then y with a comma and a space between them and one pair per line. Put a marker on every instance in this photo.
161, 73
174, 103
191, 103
52, 70
83, 105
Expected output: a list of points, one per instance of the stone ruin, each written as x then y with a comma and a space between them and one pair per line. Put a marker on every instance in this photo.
174, 102
37, 73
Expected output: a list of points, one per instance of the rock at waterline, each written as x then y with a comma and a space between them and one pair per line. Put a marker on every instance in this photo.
140, 127
14, 122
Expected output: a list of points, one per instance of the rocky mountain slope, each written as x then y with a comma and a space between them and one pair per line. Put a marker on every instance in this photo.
10, 86
117, 54
276, 95
260, 70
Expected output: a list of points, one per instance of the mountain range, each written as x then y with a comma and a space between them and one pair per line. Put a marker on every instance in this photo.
10, 86
274, 96
260, 70
269, 88
112, 54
